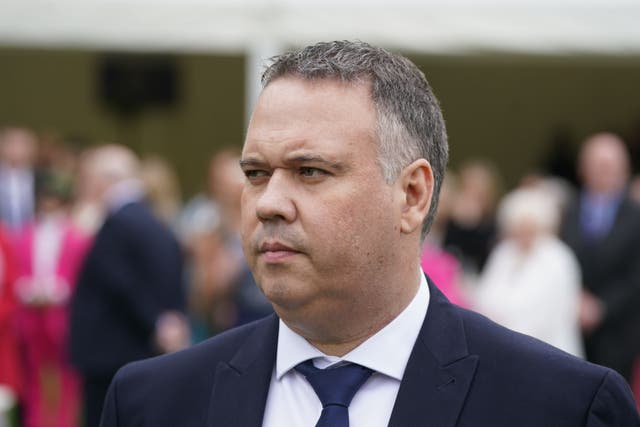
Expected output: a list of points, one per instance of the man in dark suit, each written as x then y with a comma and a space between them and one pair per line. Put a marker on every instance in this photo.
344, 157
602, 226
129, 298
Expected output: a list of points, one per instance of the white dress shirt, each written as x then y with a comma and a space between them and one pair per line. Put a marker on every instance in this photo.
17, 190
291, 401
47, 244
43, 285
48, 237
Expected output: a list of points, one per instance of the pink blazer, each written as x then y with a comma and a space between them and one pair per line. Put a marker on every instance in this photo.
74, 247
47, 327
10, 367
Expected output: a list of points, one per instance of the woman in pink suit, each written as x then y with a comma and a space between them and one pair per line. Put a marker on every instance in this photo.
10, 378
49, 252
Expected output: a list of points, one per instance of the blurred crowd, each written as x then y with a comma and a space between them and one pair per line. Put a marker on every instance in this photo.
101, 263
556, 261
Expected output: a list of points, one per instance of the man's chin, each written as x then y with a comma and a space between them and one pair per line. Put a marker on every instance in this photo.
286, 297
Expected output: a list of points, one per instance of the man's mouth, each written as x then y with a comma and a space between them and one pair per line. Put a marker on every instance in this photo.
275, 251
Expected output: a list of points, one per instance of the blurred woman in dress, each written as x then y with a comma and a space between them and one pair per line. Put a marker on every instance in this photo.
49, 253
10, 368
532, 280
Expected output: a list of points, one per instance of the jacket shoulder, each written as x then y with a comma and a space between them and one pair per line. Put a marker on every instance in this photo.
184, 380
522, 374
205, 355
513, 352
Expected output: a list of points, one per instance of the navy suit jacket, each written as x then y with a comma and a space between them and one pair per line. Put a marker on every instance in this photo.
611, 271
464, 371
131, 275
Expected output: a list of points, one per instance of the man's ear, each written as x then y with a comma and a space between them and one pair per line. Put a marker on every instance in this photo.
416, 183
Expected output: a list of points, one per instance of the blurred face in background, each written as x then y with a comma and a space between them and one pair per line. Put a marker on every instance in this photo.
477, 180
226, 179
526, 214
88, 185
524, 233
475, 195
18, 147
604, 164
49, 204
103, 167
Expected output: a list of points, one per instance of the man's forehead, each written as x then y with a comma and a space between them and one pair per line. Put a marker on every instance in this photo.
605, 148
294, 151
293, 87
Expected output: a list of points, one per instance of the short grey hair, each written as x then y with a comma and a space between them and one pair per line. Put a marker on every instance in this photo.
536, 205
410, 125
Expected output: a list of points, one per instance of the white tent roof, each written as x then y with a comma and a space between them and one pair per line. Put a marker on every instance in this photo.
430, 26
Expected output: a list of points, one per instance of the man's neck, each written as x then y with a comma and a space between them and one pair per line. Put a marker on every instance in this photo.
339, 346
611, 195
122, 193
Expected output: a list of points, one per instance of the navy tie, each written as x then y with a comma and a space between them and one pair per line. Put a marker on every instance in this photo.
335, 388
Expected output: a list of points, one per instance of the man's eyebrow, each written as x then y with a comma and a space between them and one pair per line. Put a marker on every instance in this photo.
337, 166
251, 162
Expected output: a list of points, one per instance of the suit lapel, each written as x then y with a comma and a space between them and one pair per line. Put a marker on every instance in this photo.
434, 387
240, 387
439, 372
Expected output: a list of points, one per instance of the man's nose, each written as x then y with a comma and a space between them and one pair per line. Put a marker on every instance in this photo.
276, 201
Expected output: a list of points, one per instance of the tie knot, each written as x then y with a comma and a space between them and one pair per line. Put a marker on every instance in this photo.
335, 386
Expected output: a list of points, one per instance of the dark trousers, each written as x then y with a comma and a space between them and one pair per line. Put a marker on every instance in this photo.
95, 391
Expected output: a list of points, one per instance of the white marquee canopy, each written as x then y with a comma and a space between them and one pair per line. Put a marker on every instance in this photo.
427, 26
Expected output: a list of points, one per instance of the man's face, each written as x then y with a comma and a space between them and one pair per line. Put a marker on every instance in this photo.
18, 148
524, 233
604, 165
318, 219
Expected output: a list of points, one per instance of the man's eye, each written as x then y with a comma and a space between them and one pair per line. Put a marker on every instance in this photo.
312, 172
253, 174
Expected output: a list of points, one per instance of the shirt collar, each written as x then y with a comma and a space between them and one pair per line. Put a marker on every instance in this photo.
612, 199
400, 335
